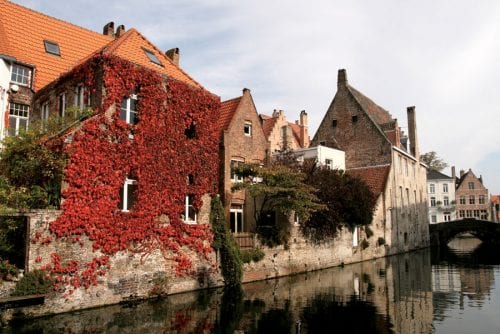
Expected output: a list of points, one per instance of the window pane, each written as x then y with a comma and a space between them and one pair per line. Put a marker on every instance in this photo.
239, 221
232, 221
120, 204
123, 109
12, 126
131, 195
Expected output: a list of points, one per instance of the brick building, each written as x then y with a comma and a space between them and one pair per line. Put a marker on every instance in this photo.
377, 151
242, 140
472, 197
495, 208
283, 135
441, 195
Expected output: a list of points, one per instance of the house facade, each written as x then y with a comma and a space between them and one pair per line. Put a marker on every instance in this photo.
377, 151
242, 141
283, 135
472, 197
441, 196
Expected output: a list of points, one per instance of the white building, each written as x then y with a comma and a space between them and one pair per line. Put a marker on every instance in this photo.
324, 156
441, 197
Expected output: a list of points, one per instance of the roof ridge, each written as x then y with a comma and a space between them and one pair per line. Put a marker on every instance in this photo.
368, 167
53, 18
115, 43
230, 100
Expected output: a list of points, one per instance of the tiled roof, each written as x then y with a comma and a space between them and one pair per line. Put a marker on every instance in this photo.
375, 177
23, 31
295, 131
227, 110
495, 198
379, 114
268, 124
435, 175
131, 45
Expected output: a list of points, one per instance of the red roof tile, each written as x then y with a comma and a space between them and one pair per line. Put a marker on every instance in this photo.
268, 124
375, 177
227, 110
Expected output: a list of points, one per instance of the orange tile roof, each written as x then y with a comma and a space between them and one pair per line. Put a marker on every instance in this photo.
268, 124
227, 110
24, 31
375, 177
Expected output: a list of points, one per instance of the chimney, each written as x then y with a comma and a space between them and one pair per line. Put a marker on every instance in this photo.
174, 55
304, 130
120, 31
109, 29
275, 113
246, 91
412, 132
341, 78
453, 174
462, 173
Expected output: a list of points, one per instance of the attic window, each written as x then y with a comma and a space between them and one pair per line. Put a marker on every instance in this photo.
354, 118
52, 48
152, 57
334, 123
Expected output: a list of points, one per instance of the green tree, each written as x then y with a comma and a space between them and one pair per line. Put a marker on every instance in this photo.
432, 160
349, 203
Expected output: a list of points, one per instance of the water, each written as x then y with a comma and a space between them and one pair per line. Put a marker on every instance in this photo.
455, 290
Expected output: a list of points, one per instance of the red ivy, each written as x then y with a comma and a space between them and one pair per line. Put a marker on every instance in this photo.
159, 157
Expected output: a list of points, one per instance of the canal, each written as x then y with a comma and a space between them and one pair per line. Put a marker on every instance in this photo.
454, 290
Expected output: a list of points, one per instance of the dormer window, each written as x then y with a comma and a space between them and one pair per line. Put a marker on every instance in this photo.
247, 129
152, 57
20, 75
128, 110
52, 48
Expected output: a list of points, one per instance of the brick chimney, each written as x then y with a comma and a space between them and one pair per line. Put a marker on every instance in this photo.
412, 132
120, 31
304, 129
174, 55
109, 29
341, 78
246, 91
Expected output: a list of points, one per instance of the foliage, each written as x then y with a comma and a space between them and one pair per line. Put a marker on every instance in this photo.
432, 160
33, 283
12, 239
277, 190
254, 254
364, 244
380, 241
349, 202
102, 154
6, 269
368, 232
230, 257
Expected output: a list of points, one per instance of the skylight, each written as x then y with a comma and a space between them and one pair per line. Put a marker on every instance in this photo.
52, 48
152, 57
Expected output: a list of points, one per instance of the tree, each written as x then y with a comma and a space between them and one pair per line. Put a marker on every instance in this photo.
349, 203
277, 190
432, 160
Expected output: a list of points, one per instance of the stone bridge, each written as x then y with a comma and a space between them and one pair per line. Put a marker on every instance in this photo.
486, 231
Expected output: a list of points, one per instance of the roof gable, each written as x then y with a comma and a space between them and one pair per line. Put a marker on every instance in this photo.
227, 111
469, 176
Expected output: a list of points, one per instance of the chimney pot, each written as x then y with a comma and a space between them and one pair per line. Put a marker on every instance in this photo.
174, 55
109, 29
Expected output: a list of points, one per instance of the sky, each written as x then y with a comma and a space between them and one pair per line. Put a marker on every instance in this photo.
443, 57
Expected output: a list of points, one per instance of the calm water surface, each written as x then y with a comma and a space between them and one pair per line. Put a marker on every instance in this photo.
455, 290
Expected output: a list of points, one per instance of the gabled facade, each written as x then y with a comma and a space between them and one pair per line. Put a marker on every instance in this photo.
377, 151
242, 140
283, 135
472, 197
441, 196
495, 208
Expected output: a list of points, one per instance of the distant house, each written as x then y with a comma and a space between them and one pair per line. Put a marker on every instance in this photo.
377, 151
495, 208
283, 135
441, 196
242, 141
472, 197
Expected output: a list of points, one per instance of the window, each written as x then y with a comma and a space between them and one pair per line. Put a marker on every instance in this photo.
447, 216
190, 179
445, 187
433, 219
476, 213
62, 104
247, 128
128, 110
355, 237
484, 214
235, 177
20, 75
354, 118
236, 218
462, 213
80, 97
52, 48
322, 143
432, 188
128, 195
44, 112
152, 57
462, 199
334, 123
329, 163
472, 199
468, 213
296, 219
446, 201
471, 185
481, 199
18, 118
433, 201
189, 215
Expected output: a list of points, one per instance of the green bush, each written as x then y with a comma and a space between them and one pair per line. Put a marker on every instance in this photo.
254, 254
369, 232
36, 282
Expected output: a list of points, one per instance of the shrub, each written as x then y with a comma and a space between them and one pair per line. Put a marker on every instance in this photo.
7, 269
254, 254
364, 244
369, 232
381, 241
36, 282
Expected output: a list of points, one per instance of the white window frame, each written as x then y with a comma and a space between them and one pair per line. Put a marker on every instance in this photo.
126, 207
247, 128
185, 215
446, 201
329, 163
80, 97
433, 201
445, 187
433, 219
432, 188
235, 211
21, 108
355, 236
24, 68
128, 111
61, 104
235, 177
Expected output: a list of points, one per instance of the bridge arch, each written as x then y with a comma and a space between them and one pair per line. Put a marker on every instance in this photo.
442, 233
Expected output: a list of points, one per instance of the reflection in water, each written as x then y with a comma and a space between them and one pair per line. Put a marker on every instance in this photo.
410, 293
